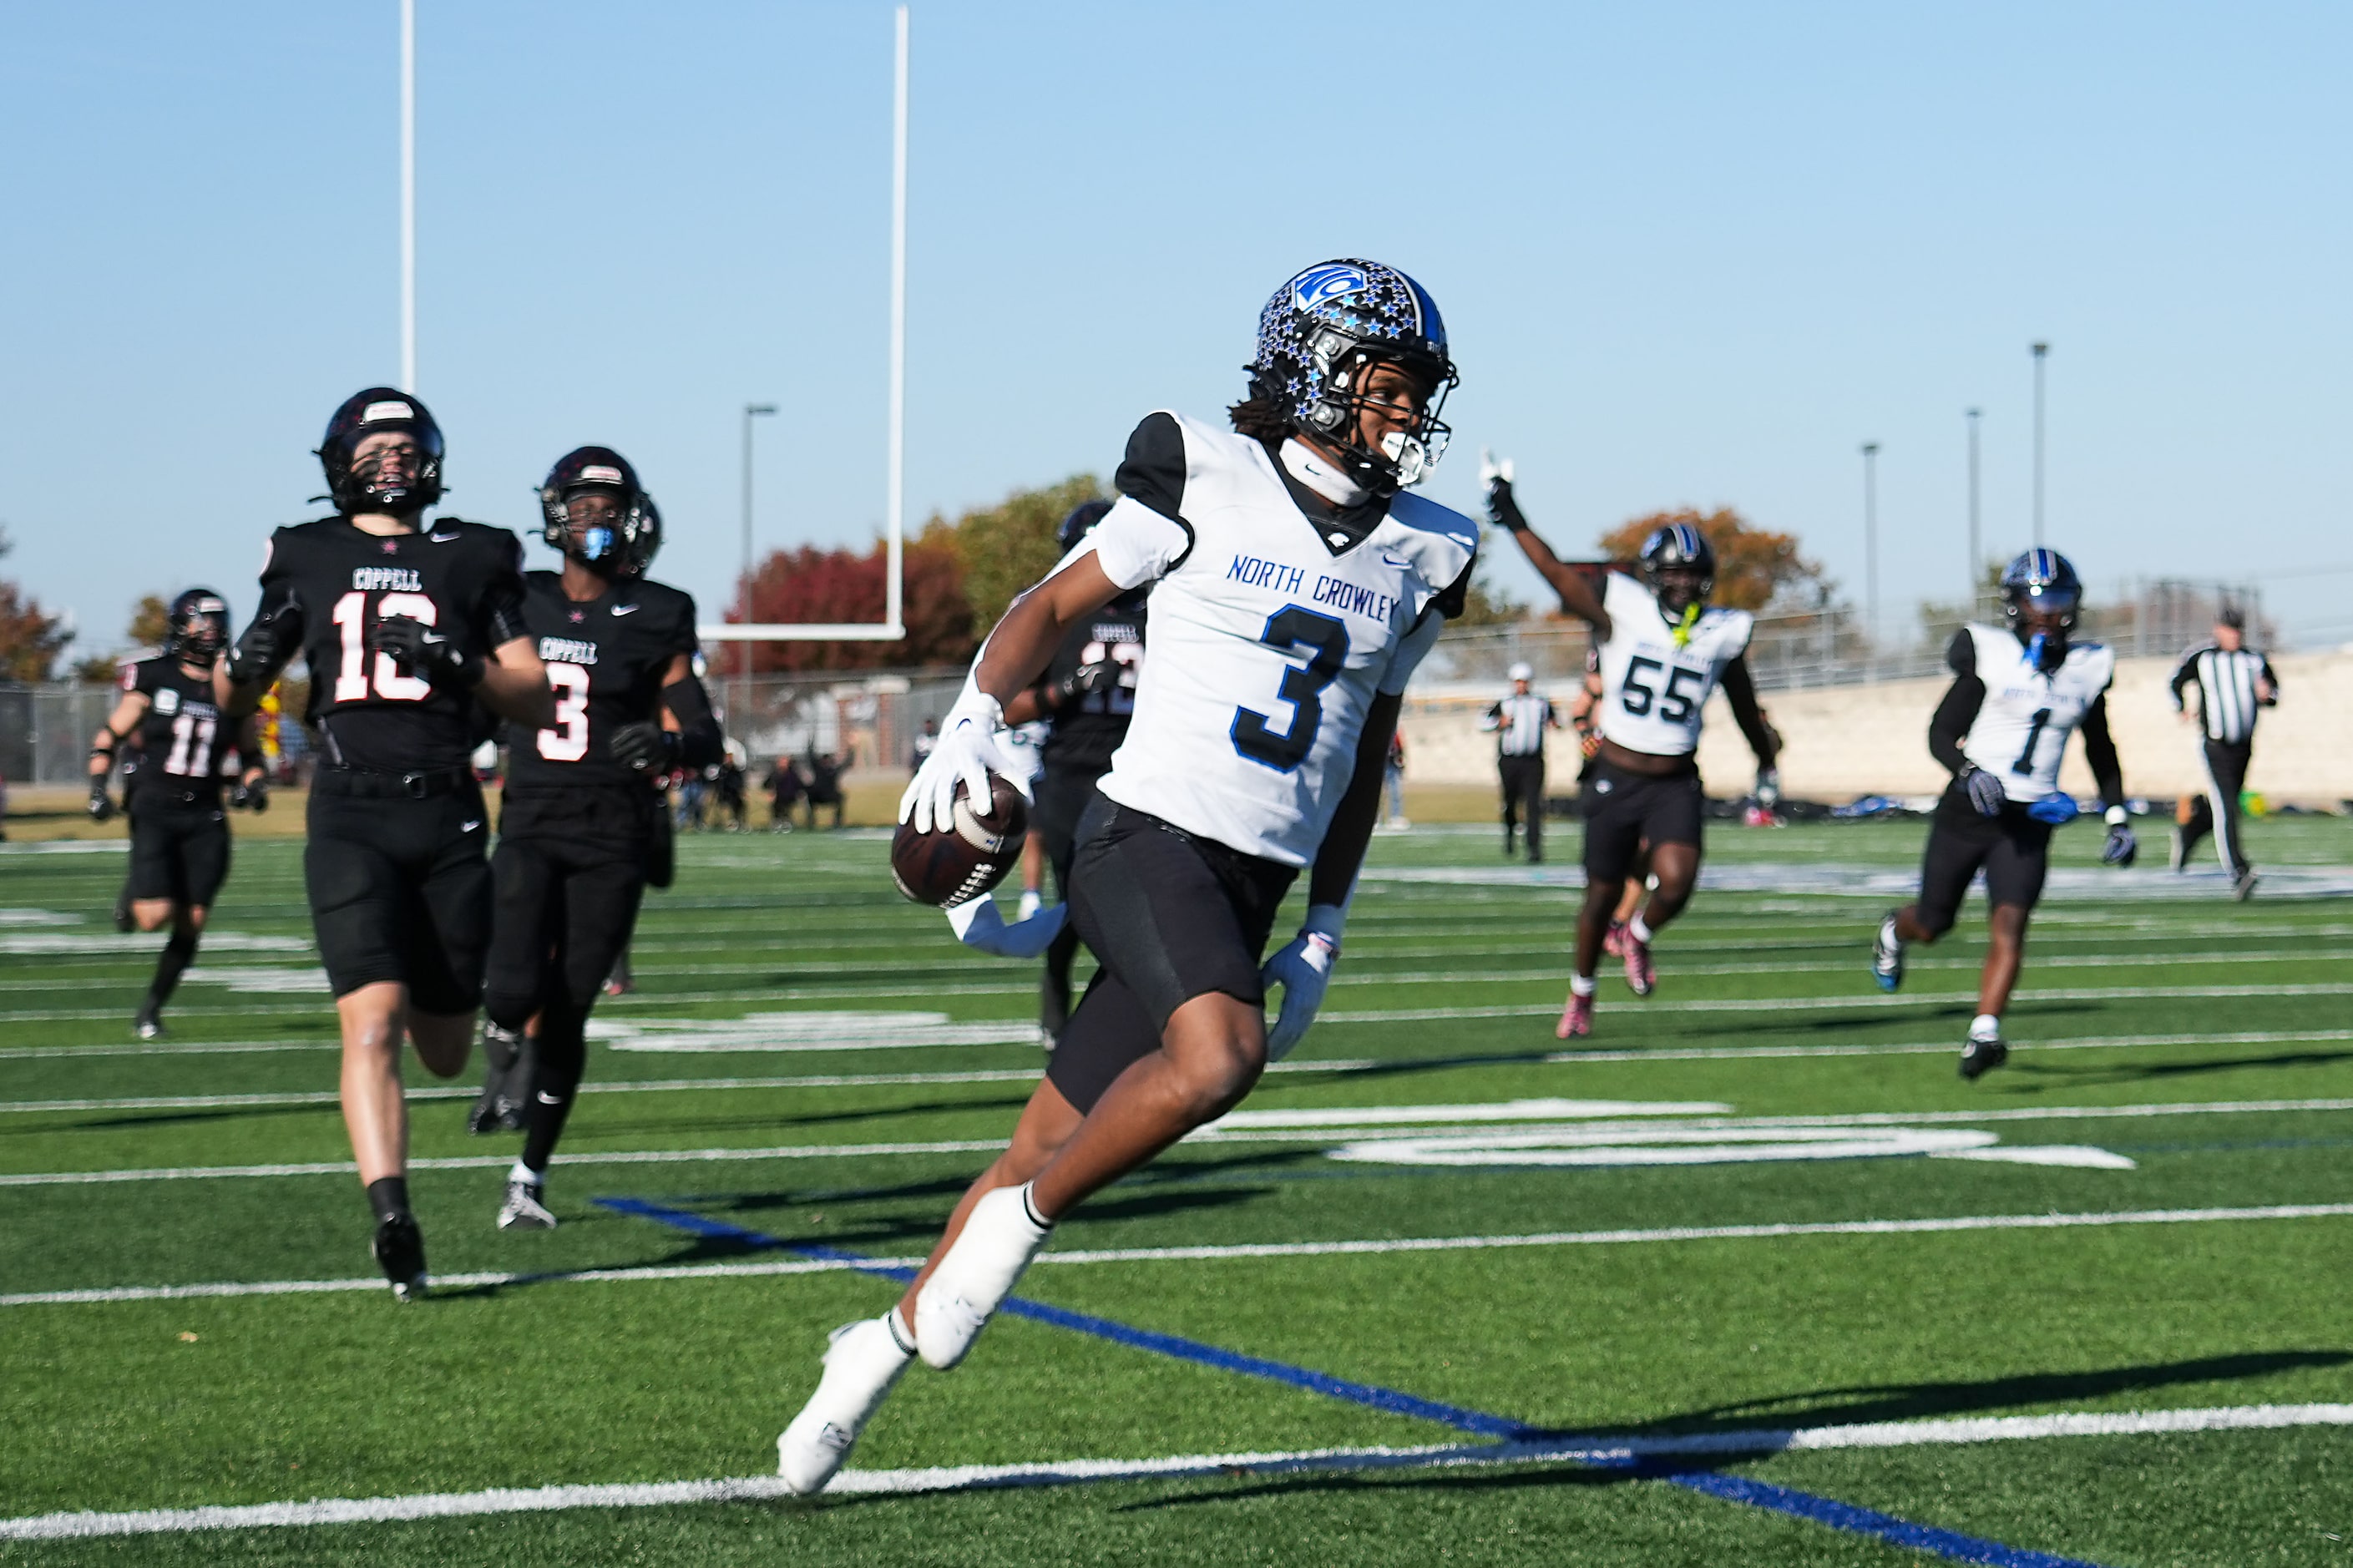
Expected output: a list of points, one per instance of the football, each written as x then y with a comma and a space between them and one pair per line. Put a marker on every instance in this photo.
949, 865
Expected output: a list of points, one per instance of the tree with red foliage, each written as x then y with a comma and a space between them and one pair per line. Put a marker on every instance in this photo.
30, 637
843, 586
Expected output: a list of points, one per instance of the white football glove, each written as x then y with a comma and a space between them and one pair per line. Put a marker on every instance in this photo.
970, 747
1492, 468
1303, 969
978, 924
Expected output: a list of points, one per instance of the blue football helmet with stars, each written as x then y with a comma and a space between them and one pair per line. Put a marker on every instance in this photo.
1319, 334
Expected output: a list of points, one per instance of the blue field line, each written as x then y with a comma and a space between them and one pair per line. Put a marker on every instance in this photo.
1820, 1510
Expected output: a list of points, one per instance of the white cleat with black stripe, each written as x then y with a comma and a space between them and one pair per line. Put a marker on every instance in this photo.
998, 1239
525, 1208
861, 1363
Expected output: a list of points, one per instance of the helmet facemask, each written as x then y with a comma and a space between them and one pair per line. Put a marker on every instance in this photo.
1322, 340
394, 479
593, 512
199, 627
1347, 373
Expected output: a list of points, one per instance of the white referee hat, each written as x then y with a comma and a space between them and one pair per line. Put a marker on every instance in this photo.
1522, 672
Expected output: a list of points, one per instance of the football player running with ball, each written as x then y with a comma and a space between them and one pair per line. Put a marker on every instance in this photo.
172, 787
1295, 585
577, 820
2019, 691
1663, 649
405, 625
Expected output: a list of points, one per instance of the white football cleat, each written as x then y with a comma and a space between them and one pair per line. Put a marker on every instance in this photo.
997, 1242
860, 1364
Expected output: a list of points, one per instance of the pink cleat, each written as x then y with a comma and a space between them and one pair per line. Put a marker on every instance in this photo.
1576, 1019
1613, 941
1642, 978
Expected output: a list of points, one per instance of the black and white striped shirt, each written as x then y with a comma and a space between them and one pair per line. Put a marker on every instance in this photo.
1519, 723
2226, 688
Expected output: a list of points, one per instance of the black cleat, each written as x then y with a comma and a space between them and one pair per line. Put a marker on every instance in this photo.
149, 1024
400, 1253
1979, 1058
122, 920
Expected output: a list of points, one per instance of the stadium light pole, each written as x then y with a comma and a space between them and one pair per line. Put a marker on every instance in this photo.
1977, 564
408, 196
895, 509
1871, 559
744, 578
2042, 352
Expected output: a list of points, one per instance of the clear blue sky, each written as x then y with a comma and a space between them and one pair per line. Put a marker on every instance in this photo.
1689, 254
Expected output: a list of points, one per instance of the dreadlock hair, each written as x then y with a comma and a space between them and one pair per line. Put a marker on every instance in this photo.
1260, 418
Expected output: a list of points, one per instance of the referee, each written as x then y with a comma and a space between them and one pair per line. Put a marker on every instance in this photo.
1519, 723
2232, 681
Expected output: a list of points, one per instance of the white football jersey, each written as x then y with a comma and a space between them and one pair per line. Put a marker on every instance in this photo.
2021, 728
1652, 687
1267, 641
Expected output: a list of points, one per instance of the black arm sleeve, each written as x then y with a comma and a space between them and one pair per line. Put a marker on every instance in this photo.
1740, 691
1950, 725
2183, 674
498, 616
1152, 471
699, 743
2273, 701
2100, 751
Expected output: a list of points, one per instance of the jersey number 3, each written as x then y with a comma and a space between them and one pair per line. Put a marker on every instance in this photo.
569, 743
1325, 642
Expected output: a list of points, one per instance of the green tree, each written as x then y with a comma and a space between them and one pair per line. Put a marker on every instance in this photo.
30, 637
1005, 549
1485, 604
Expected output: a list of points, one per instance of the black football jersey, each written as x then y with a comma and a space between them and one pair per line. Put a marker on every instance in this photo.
1090, 730
463, 578
605, 658
174, 756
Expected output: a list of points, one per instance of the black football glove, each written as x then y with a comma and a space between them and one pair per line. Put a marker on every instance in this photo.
1085, 681
1503, 507
1985, 791
266, 646
419, 650
644, 745
102, 805
250, 795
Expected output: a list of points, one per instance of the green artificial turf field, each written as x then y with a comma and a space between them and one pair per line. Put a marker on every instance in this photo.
1753, 1278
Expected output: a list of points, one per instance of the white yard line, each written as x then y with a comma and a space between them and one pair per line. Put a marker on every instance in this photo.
1212, 1134
1213, 1253
1589, 1449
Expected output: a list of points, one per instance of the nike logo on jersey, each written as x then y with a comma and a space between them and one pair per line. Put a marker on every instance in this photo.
440, 538
1393, 561
469, 826
624, 609
547, 1098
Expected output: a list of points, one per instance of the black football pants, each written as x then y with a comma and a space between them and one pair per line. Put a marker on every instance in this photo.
1523, 784
2217, 811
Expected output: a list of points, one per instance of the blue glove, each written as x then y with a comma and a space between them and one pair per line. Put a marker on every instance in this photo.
978, 924
1303, 969
1985, 791
2058, 809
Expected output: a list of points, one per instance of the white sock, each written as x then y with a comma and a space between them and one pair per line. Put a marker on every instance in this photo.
1986, 1028
1032, 902
1583, 985
1888, 933
522, 1173
1640, 930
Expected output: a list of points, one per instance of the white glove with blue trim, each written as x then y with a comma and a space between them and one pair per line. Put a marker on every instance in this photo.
1302, 969
970, 747
980, 925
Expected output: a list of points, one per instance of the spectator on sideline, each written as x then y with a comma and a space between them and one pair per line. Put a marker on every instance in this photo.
1393, 779
926, 740
785, 786
824, 786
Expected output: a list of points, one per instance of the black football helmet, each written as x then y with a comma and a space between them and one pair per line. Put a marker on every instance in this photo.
1080, 523
1683, 549
1320, 333
2041, 583
608, 547
198, 623
638, 550
365, 486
